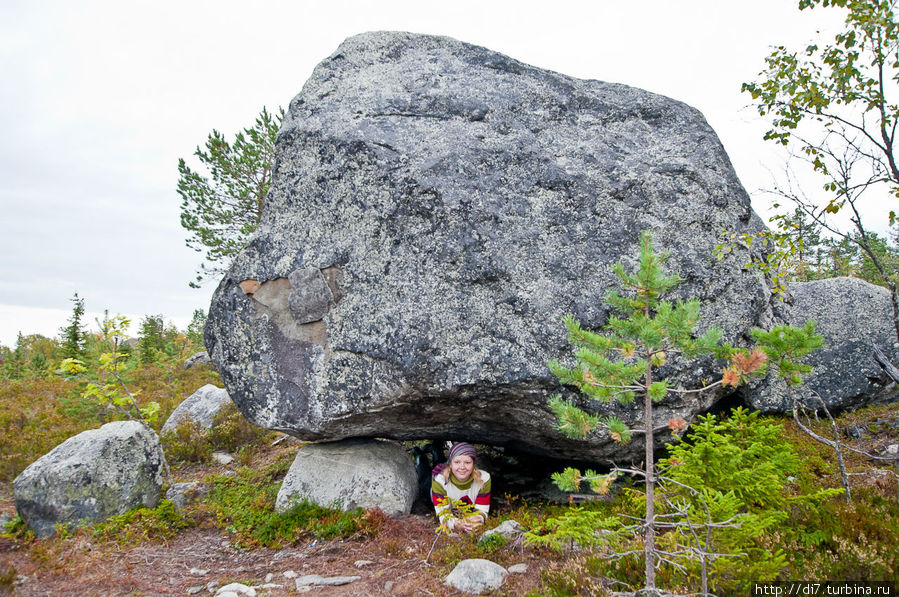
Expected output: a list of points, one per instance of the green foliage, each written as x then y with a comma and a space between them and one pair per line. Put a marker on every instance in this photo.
798, 253
841, 85
73, 335
151, 343
786, 345
140, 525
156, 341
36, 414
576, 576
835, 103
195, 328
614, 364
33, 357
188, 443
734, 469
584, 527
221, 204
245, 505
740, 454
492, 543
704, 510
230, 431
108, 387
8, 576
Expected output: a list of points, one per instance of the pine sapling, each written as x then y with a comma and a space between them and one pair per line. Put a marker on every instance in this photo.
619, 363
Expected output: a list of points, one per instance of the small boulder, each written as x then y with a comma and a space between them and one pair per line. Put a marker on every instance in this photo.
196, 359
236, 588
90, 477
222, 458
316, 580
201, 408
183, 494
351, 474
476, 576
509, 529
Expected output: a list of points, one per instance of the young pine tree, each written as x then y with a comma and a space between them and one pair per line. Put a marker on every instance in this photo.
619, 363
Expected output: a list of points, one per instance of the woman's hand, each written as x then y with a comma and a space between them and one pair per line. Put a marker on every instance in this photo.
469, 524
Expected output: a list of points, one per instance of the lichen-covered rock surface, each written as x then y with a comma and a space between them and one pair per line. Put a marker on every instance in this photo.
351, 474
853, 317
476, 576
436, 209
90, 477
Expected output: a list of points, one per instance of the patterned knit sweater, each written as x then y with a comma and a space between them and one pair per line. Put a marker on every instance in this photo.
444, 493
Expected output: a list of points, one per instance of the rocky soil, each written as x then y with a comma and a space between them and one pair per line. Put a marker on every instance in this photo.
199, 561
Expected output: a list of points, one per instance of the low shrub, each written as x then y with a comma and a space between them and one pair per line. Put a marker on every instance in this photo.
244, 504
143, 524
191, 442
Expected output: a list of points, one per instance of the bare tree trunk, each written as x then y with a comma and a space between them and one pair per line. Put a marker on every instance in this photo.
649, 533
884, 361
835, 443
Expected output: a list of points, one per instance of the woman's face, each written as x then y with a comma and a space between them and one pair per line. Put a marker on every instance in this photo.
461, 467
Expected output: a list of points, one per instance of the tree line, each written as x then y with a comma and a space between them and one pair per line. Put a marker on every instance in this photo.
36, 355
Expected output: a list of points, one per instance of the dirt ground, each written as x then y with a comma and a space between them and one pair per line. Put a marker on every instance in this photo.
79, 566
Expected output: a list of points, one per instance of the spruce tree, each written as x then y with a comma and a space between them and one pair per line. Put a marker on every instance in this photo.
151, 339
74, 334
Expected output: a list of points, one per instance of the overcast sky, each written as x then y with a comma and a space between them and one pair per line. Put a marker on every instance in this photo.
101, 98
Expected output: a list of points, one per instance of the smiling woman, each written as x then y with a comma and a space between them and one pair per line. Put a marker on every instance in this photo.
460, 491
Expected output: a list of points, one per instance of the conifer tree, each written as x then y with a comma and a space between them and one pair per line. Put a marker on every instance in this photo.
221, 203
619, 364
74, 334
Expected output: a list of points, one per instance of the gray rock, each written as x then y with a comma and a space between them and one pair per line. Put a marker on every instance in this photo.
351, 474
324, 581
456, 204
90, 477
236, 589
852, 316
476, 576
222, 458
183, 494
197, 359
200, 407
508, 529
518, 569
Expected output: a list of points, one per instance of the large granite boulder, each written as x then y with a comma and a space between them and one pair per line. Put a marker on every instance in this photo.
853, 316
90, 477
351, 474
201, 407
436, 209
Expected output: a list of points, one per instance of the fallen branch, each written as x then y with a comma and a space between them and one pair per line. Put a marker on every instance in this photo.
885, 364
